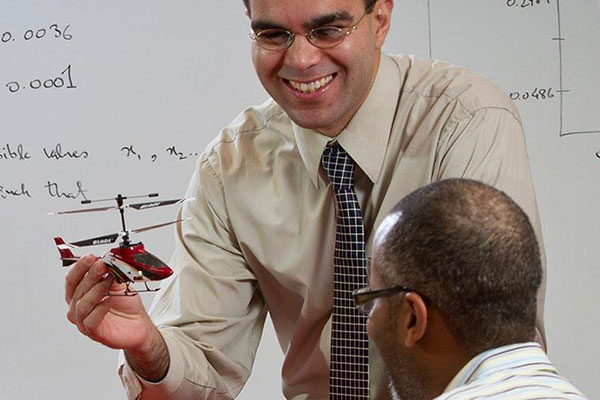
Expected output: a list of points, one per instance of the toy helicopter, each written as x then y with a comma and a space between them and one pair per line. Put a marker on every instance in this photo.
129, 262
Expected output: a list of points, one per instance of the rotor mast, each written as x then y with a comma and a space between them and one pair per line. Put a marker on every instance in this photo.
121, 206
125, 241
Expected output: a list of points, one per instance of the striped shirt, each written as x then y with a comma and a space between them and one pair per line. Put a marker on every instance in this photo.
517, 371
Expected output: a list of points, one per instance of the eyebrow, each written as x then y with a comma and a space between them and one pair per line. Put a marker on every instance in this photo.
328, 19
262, 24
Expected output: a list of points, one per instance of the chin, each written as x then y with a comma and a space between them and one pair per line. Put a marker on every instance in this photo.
404, 382
318, 117
320, 124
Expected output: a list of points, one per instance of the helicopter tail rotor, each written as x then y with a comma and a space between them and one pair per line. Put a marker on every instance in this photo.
64, 249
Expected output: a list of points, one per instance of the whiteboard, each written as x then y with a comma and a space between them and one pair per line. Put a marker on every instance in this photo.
99, 98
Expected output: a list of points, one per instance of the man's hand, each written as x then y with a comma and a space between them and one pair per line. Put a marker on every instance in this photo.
119, 322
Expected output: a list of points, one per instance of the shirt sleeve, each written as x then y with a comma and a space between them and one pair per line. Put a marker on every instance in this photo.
488, 145
210, 312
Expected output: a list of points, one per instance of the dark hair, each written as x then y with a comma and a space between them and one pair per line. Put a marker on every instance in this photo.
471, 252
369, 4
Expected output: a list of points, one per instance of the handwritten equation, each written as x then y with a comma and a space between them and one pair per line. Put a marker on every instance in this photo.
18, 152
172, 151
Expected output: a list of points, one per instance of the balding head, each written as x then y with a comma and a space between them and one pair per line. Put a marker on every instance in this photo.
471, 252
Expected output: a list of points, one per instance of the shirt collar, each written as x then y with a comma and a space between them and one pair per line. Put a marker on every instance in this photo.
366, 136
495, 360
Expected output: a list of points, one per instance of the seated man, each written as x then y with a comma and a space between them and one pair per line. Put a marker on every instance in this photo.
455, 271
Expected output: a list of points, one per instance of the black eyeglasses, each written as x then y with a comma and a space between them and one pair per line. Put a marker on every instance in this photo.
363, 297
324, 37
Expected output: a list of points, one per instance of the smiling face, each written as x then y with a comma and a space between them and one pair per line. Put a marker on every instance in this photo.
320, 89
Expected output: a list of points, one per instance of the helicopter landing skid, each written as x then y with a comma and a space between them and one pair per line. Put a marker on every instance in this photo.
132, 292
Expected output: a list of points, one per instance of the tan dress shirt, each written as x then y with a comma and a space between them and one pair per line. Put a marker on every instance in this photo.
261, 232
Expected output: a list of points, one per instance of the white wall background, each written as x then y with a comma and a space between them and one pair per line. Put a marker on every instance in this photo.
154, 75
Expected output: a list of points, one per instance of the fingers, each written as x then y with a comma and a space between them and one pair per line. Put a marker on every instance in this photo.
87, 283
95, 273
84, 302
117, 322
94, 317
75, 274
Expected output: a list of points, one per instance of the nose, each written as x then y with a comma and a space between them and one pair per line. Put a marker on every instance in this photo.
302, 55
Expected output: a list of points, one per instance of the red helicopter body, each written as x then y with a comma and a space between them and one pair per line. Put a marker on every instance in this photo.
128, 263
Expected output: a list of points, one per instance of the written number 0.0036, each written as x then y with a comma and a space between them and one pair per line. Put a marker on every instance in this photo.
40, 33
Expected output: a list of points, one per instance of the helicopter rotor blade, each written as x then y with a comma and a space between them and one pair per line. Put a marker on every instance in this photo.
135, 206
154, 204
105, 239
122, 198
147, 228
95, 209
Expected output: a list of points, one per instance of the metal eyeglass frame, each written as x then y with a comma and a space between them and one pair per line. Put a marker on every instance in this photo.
309, 36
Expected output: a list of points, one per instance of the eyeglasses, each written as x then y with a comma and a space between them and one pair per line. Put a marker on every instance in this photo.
324, 37
363, 297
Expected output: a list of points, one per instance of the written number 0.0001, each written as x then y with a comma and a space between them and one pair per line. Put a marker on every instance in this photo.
57, 82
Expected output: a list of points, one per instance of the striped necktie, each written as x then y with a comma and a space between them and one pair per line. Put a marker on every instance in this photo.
349, 364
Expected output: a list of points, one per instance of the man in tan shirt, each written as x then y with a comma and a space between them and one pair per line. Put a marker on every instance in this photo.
261, 228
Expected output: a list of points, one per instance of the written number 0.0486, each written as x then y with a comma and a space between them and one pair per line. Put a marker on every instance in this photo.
535, 94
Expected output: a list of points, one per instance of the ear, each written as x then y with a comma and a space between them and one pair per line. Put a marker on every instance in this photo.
415, 319
383, 15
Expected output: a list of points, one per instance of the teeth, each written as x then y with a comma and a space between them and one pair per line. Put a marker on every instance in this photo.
311, 87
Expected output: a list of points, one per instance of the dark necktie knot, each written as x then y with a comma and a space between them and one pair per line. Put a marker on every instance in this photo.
339, 167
